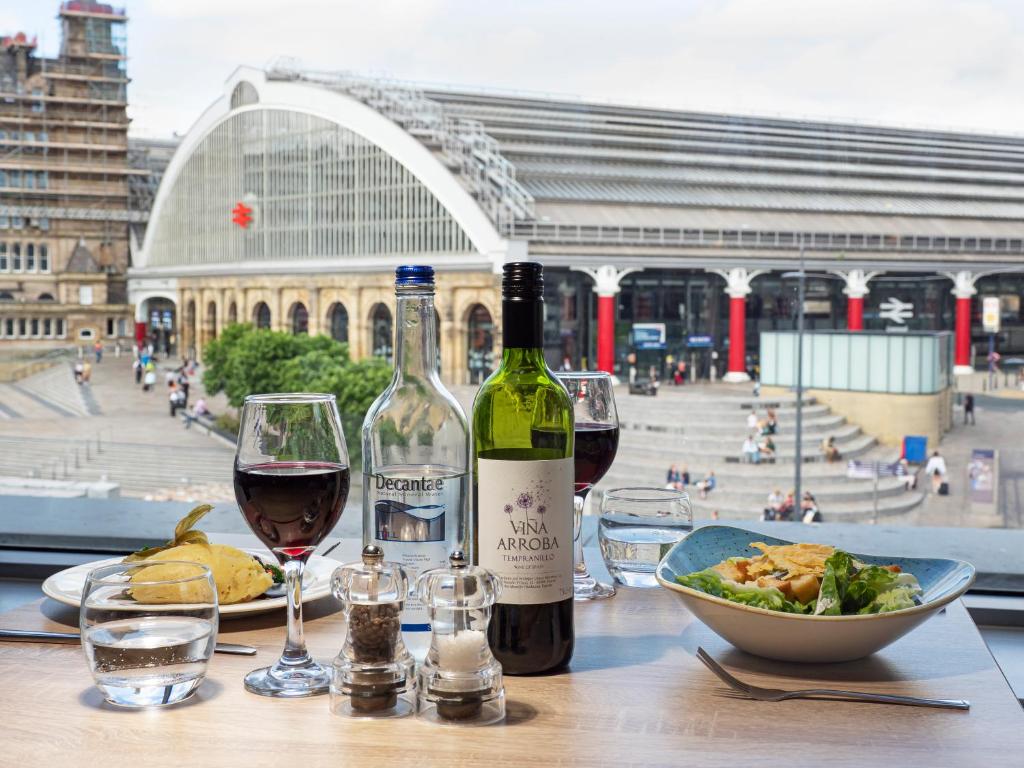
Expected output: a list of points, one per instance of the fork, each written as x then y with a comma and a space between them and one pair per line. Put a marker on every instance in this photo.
774, 694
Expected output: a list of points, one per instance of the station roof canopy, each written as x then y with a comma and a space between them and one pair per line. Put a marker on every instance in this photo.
566, 173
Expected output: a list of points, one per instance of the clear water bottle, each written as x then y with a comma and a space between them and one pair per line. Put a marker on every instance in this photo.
415, 454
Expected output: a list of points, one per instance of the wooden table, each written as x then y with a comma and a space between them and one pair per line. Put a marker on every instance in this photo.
635, 696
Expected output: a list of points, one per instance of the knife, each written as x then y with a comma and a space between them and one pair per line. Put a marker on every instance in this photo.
57, 637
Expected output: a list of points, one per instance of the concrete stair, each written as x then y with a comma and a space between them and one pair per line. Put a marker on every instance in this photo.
704, 430
138, 468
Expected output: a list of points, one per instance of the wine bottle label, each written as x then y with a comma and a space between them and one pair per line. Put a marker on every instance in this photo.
411, 519
524, 527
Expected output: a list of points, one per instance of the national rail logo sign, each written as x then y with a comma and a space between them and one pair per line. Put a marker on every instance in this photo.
895, 310
241, 214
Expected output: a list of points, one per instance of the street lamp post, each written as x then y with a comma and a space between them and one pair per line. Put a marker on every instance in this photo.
798, 471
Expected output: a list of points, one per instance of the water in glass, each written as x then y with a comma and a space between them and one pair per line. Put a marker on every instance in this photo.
638, 526
148, 630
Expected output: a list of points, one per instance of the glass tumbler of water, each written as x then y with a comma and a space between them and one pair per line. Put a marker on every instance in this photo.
638, 526
148, 630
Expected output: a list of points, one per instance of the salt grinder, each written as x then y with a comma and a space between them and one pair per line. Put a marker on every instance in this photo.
460, 681
372, 675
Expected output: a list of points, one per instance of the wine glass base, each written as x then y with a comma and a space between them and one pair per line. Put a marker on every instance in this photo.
296, 683
589, 588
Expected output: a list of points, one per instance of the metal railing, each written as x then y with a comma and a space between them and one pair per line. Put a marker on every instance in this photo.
724, 238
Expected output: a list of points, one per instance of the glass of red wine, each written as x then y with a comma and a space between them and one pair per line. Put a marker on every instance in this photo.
291, 482
597, 440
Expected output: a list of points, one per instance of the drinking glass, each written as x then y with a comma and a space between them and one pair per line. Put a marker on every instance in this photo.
596, 439
148, 630
637, 527
291, 482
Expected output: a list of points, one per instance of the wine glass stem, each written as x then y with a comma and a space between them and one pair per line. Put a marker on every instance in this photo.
295, 653
579, 566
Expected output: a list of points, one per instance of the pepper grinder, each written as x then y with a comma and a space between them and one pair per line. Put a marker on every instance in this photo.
460, 681
373, 674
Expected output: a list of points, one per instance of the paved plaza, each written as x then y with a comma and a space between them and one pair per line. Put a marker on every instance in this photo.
54, 430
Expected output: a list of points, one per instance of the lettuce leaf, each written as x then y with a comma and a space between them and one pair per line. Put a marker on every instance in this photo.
866, 586
893, 600
710, 582
834, 584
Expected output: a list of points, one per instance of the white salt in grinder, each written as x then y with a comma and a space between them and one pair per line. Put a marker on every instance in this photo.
460, 682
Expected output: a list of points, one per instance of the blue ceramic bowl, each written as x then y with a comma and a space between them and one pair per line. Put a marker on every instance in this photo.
795, 637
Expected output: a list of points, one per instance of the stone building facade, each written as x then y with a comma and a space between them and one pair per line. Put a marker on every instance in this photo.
357, 311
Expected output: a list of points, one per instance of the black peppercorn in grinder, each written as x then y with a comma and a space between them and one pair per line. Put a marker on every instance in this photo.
373, 674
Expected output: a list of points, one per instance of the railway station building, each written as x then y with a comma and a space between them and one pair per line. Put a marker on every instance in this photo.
674, 236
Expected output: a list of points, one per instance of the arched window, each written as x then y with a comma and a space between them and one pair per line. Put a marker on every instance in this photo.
480, 343
232, 313
261, 315
45, 297
244, 94
381, 332
337, 318
299, 318
211, 319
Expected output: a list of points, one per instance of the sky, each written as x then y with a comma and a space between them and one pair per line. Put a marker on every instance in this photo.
925, 63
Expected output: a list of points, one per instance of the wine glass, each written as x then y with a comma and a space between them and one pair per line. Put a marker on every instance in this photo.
291, 482
597, 439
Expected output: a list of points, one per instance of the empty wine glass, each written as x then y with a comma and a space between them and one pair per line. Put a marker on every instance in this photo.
291, 482
597, 440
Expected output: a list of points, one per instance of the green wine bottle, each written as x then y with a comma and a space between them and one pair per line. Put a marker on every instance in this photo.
523, 486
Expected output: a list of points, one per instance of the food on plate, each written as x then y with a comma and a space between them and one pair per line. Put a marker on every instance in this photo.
811, 579
239, 576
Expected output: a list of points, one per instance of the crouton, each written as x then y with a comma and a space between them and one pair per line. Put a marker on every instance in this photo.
805, 588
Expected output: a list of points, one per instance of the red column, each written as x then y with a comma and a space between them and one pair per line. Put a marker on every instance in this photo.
737, 334
855, 313
605, 333
140, 334
962, 356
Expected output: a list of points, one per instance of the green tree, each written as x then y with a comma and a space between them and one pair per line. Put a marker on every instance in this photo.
245, 361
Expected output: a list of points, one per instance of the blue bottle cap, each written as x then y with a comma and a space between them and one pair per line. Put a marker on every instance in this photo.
414, 274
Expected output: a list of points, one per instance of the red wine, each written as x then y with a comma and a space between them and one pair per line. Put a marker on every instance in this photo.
292, 505
596, 445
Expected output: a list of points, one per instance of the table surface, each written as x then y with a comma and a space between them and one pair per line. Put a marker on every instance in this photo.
635, 695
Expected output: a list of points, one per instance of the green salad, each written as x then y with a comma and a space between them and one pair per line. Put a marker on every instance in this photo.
809, 579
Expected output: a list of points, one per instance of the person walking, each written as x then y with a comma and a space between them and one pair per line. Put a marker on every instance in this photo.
137, 367
969, 408
97, 348
183, 384
86, 372
78, 371
936, 470
149, 379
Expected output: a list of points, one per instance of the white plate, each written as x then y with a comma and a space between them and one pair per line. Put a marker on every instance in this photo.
67, 586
